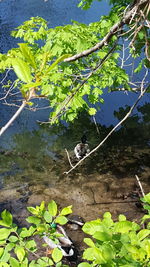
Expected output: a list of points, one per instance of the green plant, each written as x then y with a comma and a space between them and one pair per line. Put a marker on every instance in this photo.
122, 243
18, 244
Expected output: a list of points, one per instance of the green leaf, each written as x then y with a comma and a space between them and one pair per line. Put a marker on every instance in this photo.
143, 233
122, 218
13, 238
33, 210
26, 51
84, 264
1, 251
4, 264
20, 252
94, 254
139, 67
102, 236
58, 61
92, 227
107, 215
66, 210
57, 255
146, 198
27, 232
31, 244
52, 208
123, 227
47, 217
42, 206
5, 257
22, 70
4, 233
108, 252
92, 111
145, 217
61, 220
32, 219
6, 217
9, 247
89, 242
13, 262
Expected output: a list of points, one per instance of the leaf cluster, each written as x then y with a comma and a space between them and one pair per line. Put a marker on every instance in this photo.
122, 243
17, 244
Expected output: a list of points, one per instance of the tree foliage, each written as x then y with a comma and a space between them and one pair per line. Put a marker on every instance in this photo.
72, 65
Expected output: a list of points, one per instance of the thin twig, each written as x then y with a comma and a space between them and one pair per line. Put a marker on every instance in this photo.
70, 97
140, 185
3, 129
68, 157
110, 133
97, 129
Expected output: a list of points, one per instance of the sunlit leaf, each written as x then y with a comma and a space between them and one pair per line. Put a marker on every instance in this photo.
22, 70
57, 255
52, 208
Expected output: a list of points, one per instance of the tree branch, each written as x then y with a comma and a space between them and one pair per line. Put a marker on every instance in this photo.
31, 94
3, 129
128, 16
110, 133
70, 97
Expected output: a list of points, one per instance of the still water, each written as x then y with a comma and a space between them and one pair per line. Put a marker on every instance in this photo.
33, 158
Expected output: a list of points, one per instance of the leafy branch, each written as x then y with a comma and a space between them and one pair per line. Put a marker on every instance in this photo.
126, 19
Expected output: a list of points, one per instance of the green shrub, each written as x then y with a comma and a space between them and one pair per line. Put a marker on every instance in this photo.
121, 243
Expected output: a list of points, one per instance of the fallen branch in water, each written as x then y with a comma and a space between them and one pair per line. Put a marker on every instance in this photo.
140, 185
110, 133
68, 157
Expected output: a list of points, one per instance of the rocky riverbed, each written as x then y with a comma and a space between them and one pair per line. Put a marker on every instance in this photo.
104, 182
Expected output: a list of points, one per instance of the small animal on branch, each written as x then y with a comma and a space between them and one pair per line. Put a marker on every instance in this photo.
82, 149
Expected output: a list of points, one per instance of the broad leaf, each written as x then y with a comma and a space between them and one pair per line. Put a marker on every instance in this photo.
57, 255
47, 217
32, 219
27, 53
92, 227
14, 262
58, 61
66, 210
20, 252
102, 236
123, 227
52, 208
22, 70
143, 234
6, 217
61, 220
89, 242
4, 233
84, 264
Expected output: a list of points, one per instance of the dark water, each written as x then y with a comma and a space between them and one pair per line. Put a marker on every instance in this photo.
33, 158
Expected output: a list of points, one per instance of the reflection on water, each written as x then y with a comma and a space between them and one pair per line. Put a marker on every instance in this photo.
33, 170
33, 158
42, 152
